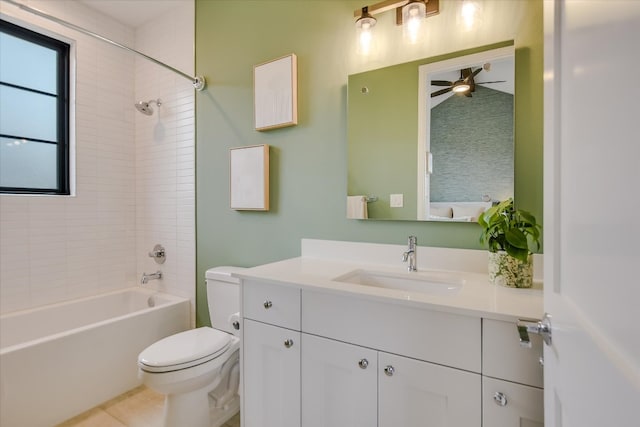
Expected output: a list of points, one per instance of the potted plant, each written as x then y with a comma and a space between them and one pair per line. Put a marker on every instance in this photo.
511, 235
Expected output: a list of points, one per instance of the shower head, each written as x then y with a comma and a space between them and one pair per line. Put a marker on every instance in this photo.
145, 107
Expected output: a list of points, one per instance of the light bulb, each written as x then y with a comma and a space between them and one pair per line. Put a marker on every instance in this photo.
463, 87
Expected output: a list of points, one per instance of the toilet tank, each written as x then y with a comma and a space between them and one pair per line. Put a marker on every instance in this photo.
223, 297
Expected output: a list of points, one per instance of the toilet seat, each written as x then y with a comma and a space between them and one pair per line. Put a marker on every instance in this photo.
184, 350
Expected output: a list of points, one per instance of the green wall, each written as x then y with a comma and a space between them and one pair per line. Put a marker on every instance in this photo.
308, 180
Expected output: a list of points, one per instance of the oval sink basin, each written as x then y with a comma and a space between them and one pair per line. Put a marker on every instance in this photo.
436, 283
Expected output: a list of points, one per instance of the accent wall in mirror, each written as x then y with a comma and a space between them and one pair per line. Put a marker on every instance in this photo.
433, 139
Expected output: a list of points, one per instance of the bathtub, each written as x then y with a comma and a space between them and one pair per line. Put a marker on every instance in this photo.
62, 359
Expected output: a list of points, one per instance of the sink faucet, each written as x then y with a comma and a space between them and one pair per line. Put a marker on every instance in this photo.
410, 254
153, 276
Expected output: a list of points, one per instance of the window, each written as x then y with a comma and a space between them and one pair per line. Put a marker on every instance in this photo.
34, 112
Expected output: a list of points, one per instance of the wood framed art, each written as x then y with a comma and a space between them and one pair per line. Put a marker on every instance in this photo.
249, 177
275, 91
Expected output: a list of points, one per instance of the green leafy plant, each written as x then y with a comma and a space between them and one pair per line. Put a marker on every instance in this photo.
514, 231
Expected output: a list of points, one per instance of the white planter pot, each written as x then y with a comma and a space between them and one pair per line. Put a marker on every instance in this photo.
508, 271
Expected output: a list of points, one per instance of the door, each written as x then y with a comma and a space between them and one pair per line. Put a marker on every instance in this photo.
271, 384
339, 384
416, 393
591, 223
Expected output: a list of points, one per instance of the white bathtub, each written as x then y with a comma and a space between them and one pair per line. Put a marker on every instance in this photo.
62, 359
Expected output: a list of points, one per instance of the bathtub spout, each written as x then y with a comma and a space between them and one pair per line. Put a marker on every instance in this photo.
153, 276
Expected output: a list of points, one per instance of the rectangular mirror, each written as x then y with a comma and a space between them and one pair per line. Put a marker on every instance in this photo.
446, 157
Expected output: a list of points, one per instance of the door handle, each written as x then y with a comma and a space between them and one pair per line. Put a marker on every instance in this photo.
541, 327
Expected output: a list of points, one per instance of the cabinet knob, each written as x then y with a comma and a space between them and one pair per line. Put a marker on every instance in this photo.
288, 342
267, 304
363, 363
389, 370
500, 398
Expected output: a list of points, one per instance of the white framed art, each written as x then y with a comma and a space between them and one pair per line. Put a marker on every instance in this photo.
249, 177
275, 87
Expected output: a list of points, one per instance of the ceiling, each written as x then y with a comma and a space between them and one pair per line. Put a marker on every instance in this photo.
133, 13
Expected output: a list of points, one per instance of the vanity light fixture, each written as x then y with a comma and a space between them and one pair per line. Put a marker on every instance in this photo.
409, 14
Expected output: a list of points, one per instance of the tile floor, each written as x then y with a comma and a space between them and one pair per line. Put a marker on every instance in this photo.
140, 407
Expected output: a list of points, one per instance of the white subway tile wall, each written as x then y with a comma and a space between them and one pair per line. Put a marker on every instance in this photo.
165, 151
135, 183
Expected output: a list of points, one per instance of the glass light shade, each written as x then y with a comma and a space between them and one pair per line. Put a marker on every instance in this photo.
470, 14
364, 26
413, 14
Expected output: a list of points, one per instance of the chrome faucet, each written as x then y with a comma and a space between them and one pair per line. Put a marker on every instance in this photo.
153, 276
410, 254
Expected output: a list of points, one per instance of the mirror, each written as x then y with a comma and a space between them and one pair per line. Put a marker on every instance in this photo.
413, 156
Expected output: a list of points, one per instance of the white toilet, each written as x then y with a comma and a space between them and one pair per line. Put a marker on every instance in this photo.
198, 370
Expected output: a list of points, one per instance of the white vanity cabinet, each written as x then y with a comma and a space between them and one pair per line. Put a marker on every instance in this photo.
316, 357
270, 355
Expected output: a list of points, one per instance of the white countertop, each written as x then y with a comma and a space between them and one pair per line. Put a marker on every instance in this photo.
477, 297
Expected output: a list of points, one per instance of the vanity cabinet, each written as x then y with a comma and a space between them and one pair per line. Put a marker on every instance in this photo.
321, 358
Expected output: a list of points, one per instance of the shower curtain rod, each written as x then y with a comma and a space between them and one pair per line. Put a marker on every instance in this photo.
198, 82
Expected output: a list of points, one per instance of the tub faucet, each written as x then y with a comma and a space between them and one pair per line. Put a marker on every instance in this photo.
153, 276
410, 254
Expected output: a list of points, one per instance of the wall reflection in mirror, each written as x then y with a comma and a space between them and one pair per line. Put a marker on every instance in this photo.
432, 140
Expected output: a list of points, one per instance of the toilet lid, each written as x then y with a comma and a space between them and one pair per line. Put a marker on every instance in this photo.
184, 350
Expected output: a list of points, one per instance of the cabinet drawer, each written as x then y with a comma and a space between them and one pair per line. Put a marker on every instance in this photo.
439, 337
269, 303
503, 356
506, 404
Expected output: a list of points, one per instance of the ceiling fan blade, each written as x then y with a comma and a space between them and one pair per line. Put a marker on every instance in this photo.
440, 92
476, 72
441, 83
497, 81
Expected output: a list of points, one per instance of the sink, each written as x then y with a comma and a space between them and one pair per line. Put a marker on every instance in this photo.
433, 282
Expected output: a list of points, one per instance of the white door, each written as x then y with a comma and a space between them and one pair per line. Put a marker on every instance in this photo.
271, 384
592, 212
339, 384
415, 393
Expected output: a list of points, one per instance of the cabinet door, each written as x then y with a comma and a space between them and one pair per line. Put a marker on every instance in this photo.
339, 384
271, 377
416, 393
507, 404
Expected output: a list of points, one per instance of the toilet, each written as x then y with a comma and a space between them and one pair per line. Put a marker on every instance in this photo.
198, 370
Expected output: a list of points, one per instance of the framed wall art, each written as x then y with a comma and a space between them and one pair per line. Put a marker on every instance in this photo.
275, 89
249, 177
